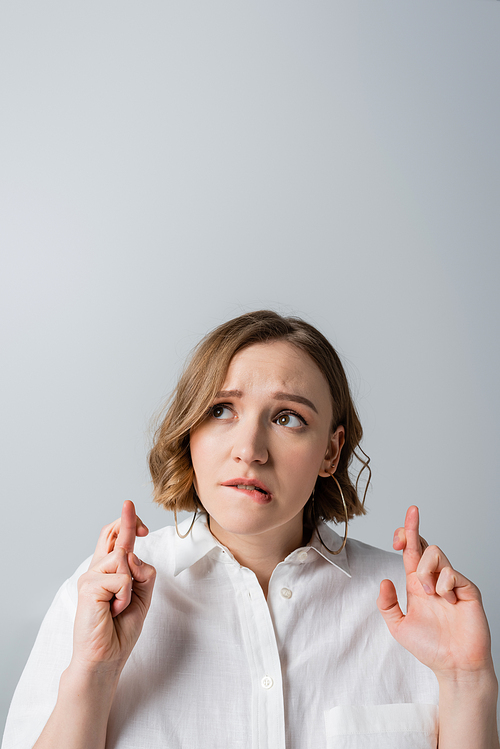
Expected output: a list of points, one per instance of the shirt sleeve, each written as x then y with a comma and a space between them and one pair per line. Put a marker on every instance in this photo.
36, 693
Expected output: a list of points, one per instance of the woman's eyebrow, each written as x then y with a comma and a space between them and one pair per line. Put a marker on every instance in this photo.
279, 396
229, 394
296, 398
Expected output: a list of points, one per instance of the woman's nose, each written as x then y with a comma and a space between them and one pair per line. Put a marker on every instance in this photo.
250, 444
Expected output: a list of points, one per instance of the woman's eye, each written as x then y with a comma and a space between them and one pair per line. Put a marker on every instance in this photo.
289, 420
221, 412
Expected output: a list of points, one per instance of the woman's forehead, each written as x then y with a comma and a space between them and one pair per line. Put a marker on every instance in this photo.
277, 364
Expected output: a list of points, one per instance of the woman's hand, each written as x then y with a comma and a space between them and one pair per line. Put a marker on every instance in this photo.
445, 626
113, 597
113, 600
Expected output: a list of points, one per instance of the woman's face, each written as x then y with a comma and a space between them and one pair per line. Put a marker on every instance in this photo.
257, 455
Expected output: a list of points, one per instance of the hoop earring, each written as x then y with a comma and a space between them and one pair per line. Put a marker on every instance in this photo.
190, 527
346, 520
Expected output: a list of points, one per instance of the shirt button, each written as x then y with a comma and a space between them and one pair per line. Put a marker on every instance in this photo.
286, 592
302, 556
267, 682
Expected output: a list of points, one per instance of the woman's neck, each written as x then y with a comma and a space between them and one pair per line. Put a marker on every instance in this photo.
260, 552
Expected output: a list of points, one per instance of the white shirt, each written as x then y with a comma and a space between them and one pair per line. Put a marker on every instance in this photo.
217, 666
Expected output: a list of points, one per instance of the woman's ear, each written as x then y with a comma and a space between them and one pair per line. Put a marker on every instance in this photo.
332, 456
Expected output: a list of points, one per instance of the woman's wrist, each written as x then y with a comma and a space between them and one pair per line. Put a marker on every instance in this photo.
482, 680
81, 678
470, 691
467, 710
80, 717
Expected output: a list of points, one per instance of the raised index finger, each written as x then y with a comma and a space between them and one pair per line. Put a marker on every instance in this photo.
128, 525
413, 548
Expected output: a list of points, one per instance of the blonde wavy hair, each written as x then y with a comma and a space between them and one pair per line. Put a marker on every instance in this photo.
203, 376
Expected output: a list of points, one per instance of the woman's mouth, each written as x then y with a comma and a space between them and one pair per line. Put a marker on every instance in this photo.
256, 491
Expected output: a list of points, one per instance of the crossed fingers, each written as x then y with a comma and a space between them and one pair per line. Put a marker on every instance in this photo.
437, 575
114, 560
121, 533
432, 567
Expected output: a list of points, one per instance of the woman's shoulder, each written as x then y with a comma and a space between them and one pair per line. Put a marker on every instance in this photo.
369, 565
371, 560
157, 547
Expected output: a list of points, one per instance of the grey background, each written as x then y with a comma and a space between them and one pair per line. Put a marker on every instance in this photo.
167, 166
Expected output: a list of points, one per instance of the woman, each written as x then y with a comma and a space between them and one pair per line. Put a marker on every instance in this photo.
263, 629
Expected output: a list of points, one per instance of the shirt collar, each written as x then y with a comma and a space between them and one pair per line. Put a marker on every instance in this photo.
200, 541
196, 545
332, 541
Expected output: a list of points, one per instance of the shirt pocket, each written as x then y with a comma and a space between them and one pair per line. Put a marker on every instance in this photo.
399, 726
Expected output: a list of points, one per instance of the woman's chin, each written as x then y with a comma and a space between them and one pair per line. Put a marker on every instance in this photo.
238, 527
227, 526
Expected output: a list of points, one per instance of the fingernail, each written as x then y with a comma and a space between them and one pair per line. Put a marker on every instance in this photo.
136, 559
426, 588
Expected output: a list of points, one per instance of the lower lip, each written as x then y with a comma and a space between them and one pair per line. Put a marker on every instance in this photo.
254, 494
